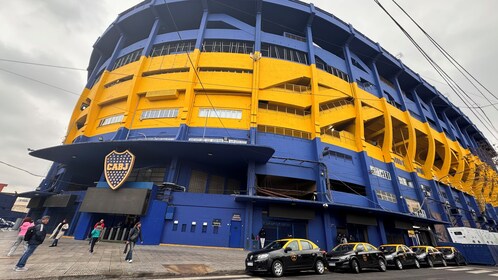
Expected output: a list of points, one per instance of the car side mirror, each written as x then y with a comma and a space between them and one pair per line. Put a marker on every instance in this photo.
287, 249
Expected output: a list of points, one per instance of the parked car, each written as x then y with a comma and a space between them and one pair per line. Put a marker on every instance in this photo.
452, 255
290, 254
399, 256
355, 257
5, 223
429, 255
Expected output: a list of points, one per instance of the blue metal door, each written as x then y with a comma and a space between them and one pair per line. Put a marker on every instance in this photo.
235, 234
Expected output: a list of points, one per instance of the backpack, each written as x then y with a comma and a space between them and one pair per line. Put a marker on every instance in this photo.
29, 233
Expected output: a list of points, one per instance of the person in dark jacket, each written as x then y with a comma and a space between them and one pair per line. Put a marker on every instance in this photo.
262, 237
135, 234
35, 238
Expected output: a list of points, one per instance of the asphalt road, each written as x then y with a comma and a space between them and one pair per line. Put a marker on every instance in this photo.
450, 272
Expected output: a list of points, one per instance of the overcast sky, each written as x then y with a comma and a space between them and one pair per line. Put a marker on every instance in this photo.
62, 32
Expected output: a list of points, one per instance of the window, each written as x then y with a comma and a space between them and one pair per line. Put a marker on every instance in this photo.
111, 120
320, 64
269, 50
127, 58
228, 46
285, 109
370, 247
216, 184
386, 196
192, 227
360, 248
198, 181
204, 227
284, 131
175, 226
154, 174
220, 113
293, 245
173, 48
159, 114
306, 245
215, 229
184, 227
294, 37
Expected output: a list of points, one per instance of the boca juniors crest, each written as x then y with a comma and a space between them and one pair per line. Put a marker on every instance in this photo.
117, 167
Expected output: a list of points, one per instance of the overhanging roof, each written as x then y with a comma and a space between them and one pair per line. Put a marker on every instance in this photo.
81, 154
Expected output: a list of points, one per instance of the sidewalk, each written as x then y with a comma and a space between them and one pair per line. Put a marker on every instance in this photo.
72, 260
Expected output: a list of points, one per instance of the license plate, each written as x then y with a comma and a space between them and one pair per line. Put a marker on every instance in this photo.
331, 264
249, 264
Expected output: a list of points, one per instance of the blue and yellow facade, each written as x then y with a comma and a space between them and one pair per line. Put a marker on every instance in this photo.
274, 114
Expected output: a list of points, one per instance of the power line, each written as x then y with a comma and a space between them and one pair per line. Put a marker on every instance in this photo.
24, 170
43, 64
38, 81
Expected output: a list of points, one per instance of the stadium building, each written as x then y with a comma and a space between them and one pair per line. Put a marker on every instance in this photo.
209, 120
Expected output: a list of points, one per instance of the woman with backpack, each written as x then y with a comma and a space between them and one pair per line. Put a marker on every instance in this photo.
95, 234
26, 223
135, 234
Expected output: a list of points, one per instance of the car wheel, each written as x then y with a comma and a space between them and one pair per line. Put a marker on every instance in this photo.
417, 263
444, 263
277, 268
382, 265
319, 267
399, 265
429, 262
355, 266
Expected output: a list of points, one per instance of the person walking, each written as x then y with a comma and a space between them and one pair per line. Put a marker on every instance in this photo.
26, 223
101, 223
135, 234
262, 237
95, 234
59, 232
35, 236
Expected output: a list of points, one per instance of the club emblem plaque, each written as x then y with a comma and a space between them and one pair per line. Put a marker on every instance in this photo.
117, 168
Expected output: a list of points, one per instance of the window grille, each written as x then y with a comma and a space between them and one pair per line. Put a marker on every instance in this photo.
220, 113
274, 51
159, 114
111, 120
127, 58
228, 46
173, 48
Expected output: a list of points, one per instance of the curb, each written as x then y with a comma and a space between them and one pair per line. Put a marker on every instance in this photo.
133, 275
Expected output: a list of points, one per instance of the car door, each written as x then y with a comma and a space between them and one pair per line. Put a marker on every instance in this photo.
307, 254
410, 255
373, 255
363, 256
291, 257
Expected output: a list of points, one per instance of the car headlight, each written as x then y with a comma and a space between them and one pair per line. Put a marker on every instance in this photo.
421, 256
450, 256
261, 257
389, 257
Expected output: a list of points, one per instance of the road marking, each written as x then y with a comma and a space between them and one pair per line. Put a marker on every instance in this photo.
479, 271
460, 269
495, 275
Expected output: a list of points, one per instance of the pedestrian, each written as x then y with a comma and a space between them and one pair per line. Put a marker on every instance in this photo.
59, 232
351, 238
339, 238
99, 223
26, 223
133, 236
35, 236
262, 237
344, 240
95, 236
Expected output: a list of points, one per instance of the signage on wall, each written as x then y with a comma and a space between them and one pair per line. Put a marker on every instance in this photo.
117, 168
216, 222
236, 217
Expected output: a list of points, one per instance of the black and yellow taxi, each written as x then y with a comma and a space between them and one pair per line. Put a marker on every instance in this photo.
289, 254
452, 255
356, 256
399, 256
429, 255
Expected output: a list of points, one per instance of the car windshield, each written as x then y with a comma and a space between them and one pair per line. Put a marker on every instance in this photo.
275, 245
388, 249
418, 250
445, 251
343, 248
